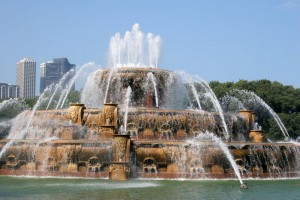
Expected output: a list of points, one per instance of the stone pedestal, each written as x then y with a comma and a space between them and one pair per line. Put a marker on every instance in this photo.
249, 115
119, 168
257, 136
119, 171
108, 120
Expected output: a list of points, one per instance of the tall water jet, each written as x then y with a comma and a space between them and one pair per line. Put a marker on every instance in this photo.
154, 50
127, 101
256, 98
134, 49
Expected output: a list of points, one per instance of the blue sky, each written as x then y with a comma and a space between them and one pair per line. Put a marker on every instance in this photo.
218, 40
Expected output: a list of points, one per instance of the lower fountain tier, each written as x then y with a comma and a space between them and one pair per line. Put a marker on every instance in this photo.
149, 159
143, 124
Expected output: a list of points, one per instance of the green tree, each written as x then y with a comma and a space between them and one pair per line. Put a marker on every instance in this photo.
284, 100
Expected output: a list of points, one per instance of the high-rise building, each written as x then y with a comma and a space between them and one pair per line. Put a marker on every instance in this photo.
8, 91
26, 73
53, 71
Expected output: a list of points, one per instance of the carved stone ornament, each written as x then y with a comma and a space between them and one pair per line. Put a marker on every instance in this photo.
109, 114
118, 167
75, 112
106, 131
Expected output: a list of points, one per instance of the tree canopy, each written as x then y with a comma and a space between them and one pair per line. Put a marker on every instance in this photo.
284, 100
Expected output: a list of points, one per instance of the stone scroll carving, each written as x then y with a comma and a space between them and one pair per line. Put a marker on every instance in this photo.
75, 112
121, 144
109, 115
117, 167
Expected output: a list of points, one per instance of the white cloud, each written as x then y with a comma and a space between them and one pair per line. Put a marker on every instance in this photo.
289, 5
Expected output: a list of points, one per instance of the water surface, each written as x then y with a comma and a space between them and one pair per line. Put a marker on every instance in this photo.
73, 188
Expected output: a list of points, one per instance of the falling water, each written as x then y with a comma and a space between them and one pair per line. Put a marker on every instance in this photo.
5, 123
59, 85
127, 101
231, 104
211, 136
151, 77
9, 102
42, 99
91, 94
216, 104
187, 79
175, 93
196, 95
191, 81
265, 105
134, 49
69, 86
110, 75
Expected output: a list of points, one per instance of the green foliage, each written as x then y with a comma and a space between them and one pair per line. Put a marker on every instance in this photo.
284, 100
30, 102
12, 108
74, 96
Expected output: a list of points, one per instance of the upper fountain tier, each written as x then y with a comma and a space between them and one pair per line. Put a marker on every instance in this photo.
150, 87
134, 49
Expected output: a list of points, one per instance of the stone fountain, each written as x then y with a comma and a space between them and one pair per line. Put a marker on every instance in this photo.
158, 131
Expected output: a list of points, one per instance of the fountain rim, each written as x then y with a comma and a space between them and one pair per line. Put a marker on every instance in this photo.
247, 110
136, 69
76, 104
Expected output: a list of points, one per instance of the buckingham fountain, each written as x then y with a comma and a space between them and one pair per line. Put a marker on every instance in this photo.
138, 121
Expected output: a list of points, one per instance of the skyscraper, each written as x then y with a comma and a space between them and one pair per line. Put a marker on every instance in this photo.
26, 73
53, 71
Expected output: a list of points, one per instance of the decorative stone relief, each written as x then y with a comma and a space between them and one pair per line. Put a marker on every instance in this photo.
121, 144
75, 112
109, 115
118, 167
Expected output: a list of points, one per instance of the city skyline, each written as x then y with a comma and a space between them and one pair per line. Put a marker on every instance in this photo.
216, 40
52, 71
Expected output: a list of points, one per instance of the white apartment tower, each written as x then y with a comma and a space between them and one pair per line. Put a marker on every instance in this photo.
26, 73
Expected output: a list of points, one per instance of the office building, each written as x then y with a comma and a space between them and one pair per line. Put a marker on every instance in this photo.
8, 91
53, 71
26, 75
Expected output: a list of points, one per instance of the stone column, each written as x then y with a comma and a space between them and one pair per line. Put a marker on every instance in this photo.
108, 120
119, 168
